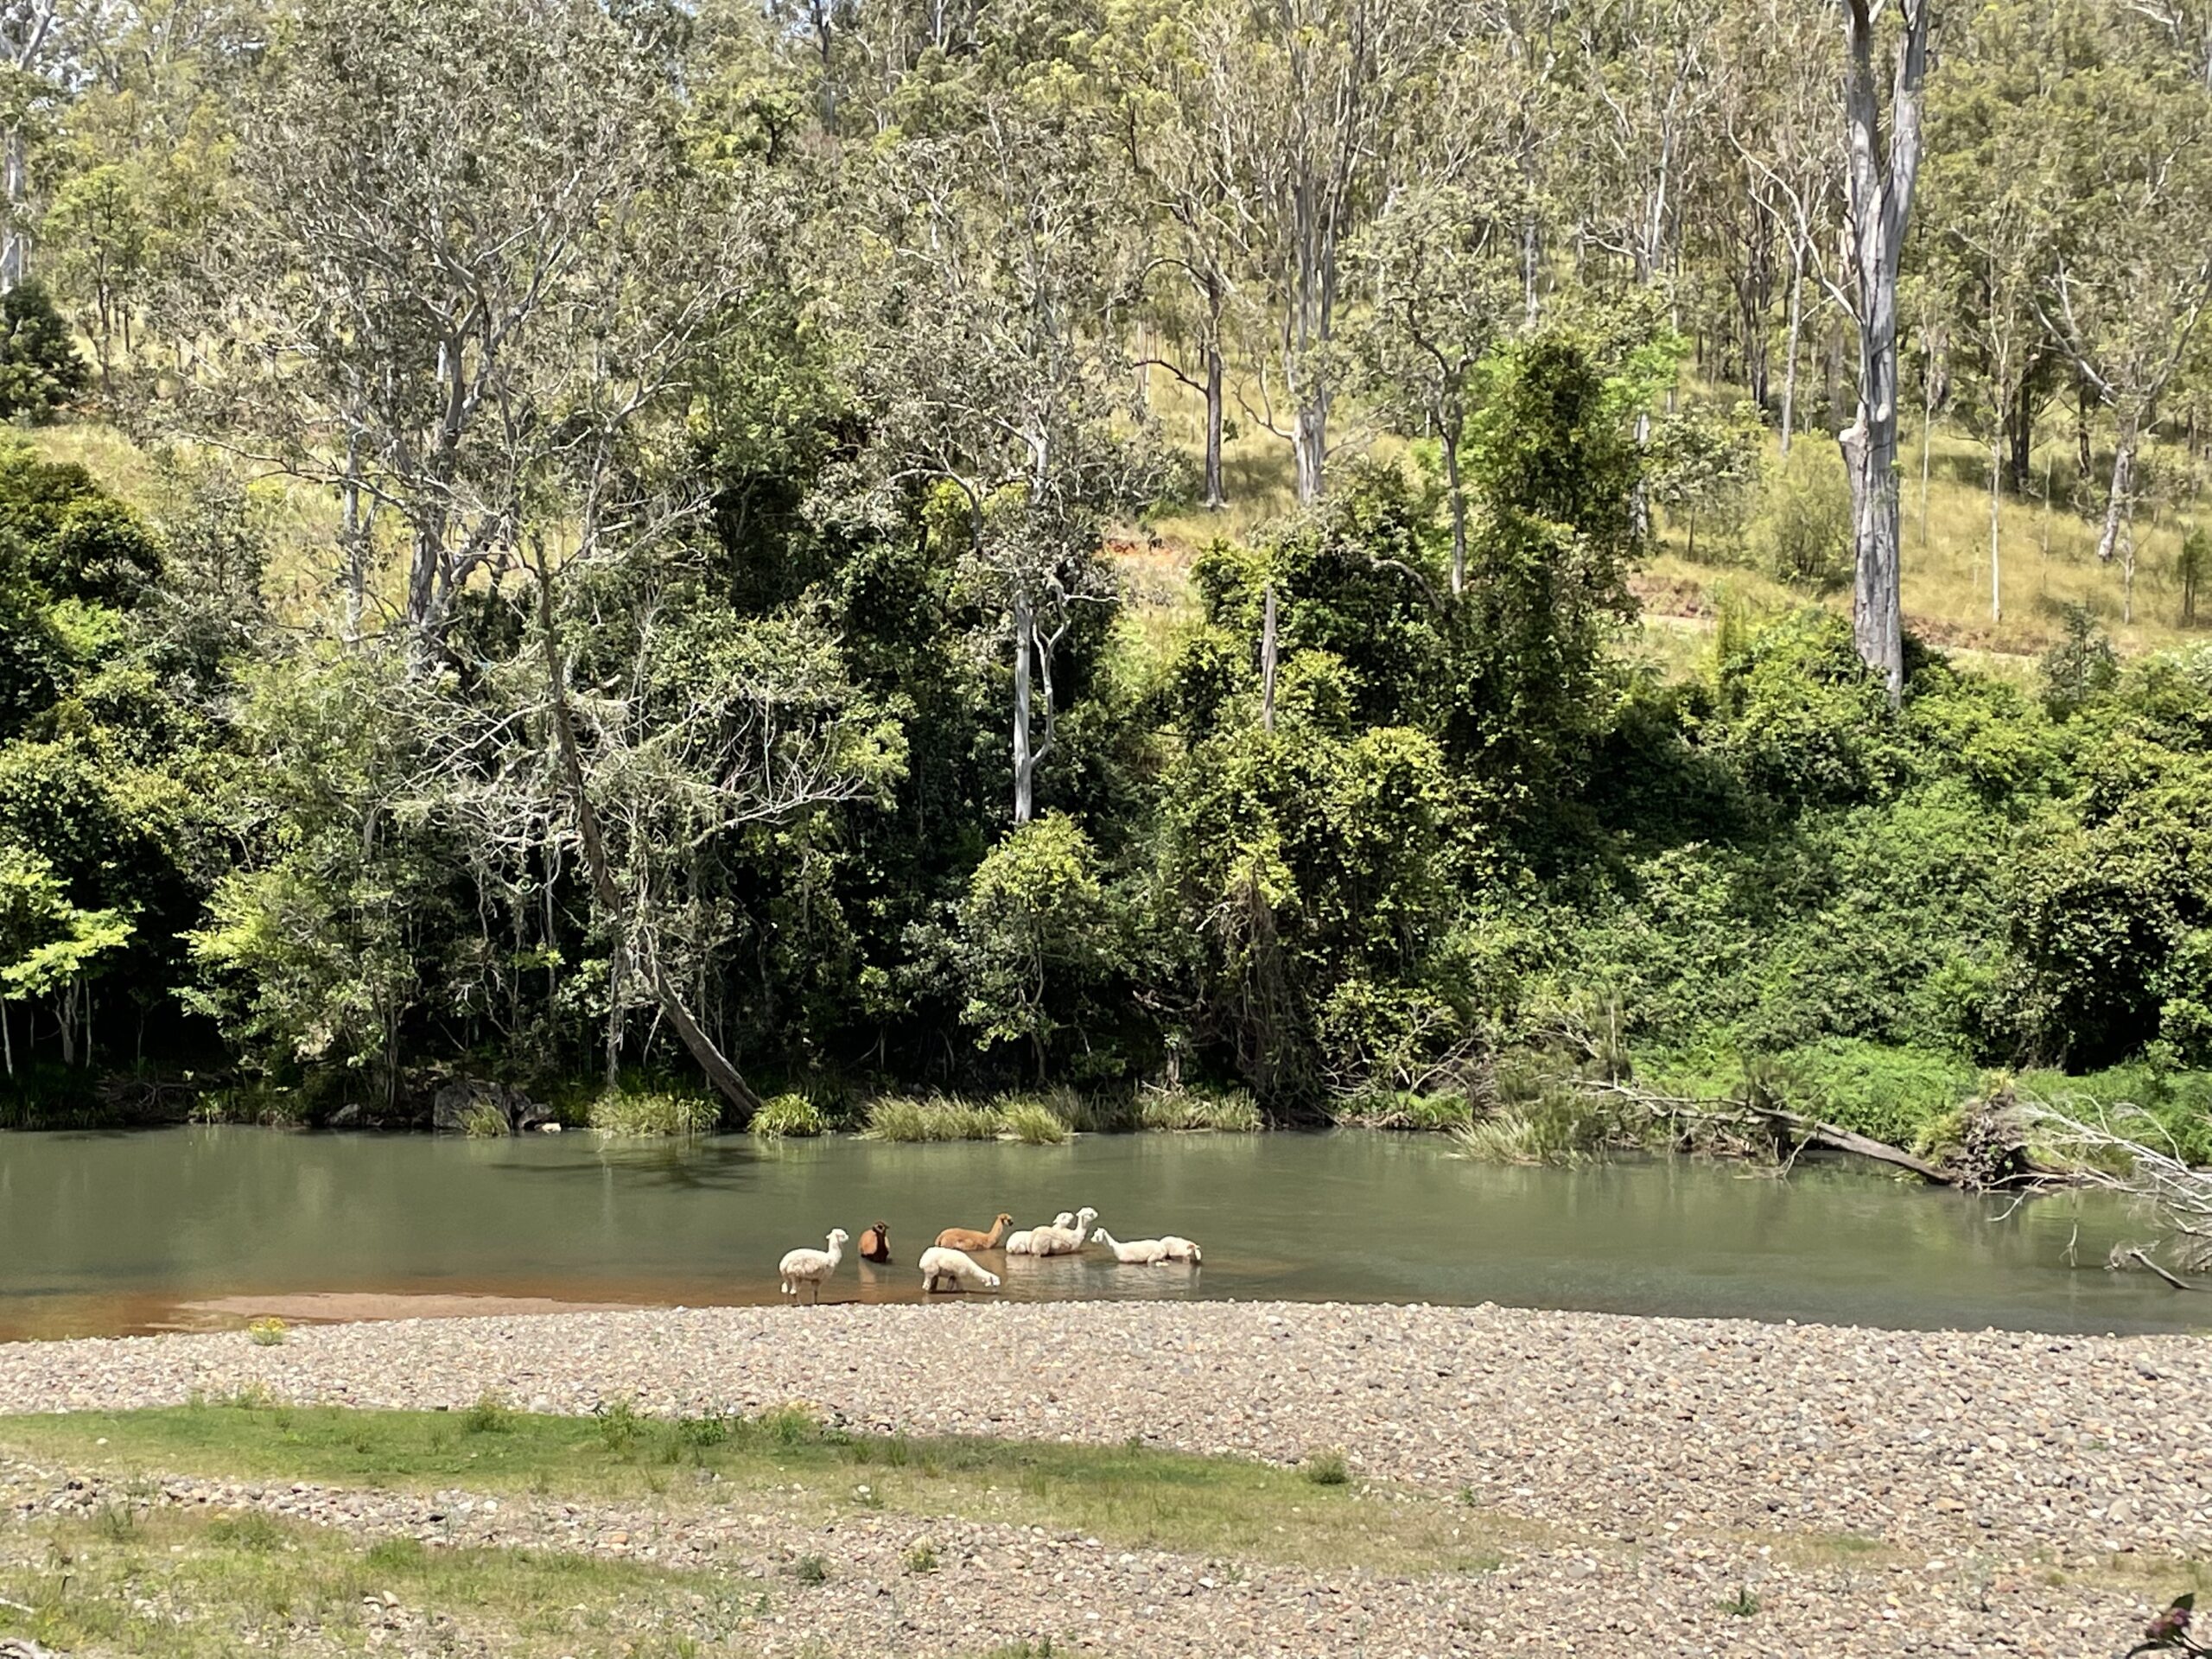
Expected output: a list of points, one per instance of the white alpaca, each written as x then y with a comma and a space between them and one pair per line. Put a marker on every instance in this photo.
1025, 1242
1181, 1249
812, 1267
1137, 1252
944, 1269
1063, 1241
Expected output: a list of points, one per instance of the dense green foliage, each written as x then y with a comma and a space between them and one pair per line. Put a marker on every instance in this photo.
709, 651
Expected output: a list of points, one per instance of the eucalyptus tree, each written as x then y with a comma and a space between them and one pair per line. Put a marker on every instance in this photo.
405, 214
1313, 97
38, 47
1779, 108
1437, 273
2129, 276
1885, 135
988, 350
1196, 249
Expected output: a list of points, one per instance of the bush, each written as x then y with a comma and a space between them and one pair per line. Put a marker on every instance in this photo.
811, 1569
624, 1113
789, 1115
941, 1117
1896, 1096
1229, 1111
1802, 533
489, 1415
266, 1332
40, 368
484, 1121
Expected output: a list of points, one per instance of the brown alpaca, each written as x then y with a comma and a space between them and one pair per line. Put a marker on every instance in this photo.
875, 1242
964, 1238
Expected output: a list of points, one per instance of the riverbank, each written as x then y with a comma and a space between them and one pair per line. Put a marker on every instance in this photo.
1870, 1491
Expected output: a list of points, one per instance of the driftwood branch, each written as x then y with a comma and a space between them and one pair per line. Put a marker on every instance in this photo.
2148, 1264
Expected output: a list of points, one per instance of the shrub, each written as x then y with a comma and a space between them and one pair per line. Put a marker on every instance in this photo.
921, 1558
811, 1569
1802, 532
1230, 1110
484, 1121
489, 1415
266, 1332
622, 1112
944, 1117
789, 1115
1327, 1468
1900, 1095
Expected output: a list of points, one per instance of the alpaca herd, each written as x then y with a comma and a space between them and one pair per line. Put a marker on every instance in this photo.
949, 1265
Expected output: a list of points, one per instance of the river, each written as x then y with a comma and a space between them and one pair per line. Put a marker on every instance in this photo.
114, 1233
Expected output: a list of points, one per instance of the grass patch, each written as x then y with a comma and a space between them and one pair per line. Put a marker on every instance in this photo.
187, 1587
654, 1112
1231, 1111
789, 1115
935, 1117
1130, 1496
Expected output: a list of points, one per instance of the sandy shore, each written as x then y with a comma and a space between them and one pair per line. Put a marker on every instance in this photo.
1668, 1459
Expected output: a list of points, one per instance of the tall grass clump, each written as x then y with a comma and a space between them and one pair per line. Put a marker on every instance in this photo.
1399, 1110
938, 1117
1033, 1122
1558, 1128
1230, 1110
654, 1112
789, 1115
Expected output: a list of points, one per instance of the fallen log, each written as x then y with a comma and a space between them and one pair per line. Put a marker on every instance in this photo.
1828, 1135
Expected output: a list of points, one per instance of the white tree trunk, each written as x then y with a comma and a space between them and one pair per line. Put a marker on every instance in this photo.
1790, 366
1881, 206
1024, 762
1996, 474
1268, 650
2123, 488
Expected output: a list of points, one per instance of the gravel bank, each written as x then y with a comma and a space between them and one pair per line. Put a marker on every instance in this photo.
1669, 1450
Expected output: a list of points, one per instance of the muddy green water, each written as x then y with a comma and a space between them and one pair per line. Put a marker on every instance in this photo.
144, 1230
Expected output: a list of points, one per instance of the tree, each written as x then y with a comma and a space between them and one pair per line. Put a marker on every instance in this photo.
1704, 459
48, 947
39, 369
999, 390
1314, 96
1439, 295
2127, 283
407, 217
1884, 166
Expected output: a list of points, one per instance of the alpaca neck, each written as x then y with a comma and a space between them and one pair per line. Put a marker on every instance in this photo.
836, 1253
996, 1236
